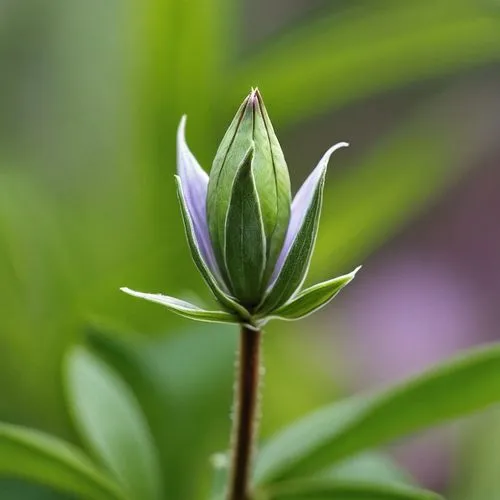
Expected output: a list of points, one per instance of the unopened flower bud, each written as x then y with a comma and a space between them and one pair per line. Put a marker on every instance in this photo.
248, 203
251, 245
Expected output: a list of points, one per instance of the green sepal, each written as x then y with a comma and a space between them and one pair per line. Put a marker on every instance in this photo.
226, 301
183, 308
273, 184
245, 240
313, 298
232, 150
297, 262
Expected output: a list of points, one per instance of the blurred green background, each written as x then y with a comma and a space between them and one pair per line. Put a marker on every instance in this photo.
90, 97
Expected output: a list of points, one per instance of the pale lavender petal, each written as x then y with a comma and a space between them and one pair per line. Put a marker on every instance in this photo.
194, 182
300, 205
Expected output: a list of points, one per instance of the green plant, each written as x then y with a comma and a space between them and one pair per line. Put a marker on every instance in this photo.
62, 260
325, 455
252, 248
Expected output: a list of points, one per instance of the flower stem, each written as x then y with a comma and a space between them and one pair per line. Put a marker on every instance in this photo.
246, 413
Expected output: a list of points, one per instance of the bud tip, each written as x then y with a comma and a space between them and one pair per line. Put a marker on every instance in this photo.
254, 97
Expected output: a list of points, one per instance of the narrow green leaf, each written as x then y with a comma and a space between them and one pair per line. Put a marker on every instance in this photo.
40, 458
297, 261
110, 421
225, 300
245, 239
313, 298
326, 489
453, 389
183, 308
169, 374
371, 467
298, 442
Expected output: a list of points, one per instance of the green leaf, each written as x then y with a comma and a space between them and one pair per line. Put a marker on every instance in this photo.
453, 389
19, 489
325, 489
183, 308
313, 298
40, 458
296, 264
300, 441
219, 294
110, 421
371, 467
245, 239
169, 375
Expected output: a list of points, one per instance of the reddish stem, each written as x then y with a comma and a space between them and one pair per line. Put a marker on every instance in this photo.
246, 413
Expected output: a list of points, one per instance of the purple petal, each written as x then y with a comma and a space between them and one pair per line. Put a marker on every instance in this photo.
194, 182
300, 206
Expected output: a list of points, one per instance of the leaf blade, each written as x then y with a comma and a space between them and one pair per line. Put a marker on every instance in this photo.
371, 467
38, 457
109, 419
325, 489
362, 422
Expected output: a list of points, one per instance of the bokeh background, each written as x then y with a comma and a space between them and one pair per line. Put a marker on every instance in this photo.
90, 97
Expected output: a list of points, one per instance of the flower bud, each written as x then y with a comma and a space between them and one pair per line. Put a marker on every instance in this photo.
248, 202
252, 247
